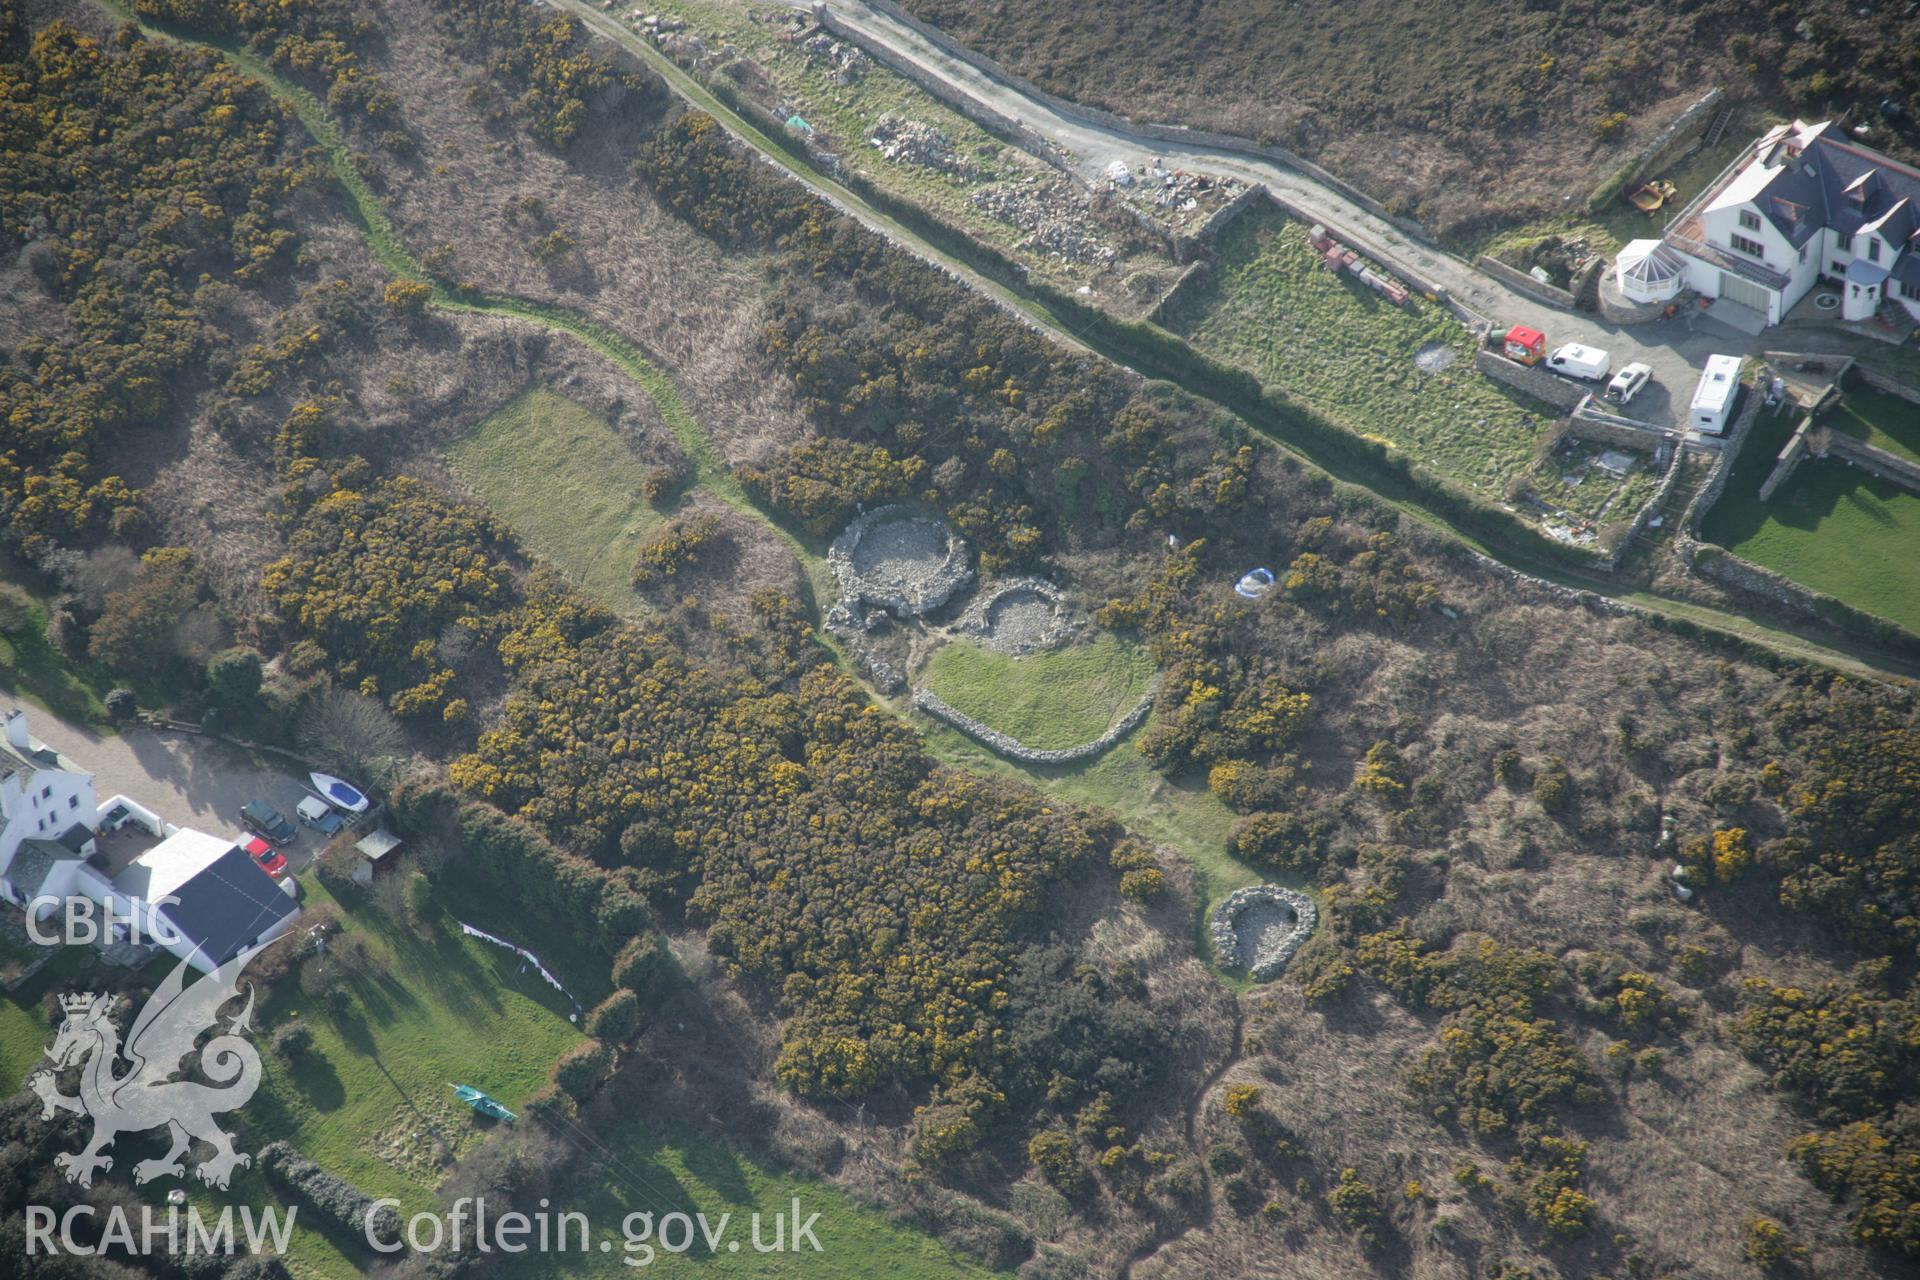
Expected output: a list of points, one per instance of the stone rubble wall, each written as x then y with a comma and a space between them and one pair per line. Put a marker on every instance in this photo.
1271, 958
1522, 283
1722, 470
1188, 280
1892, 386
1656, 504
977, 621
1869, 458
1535, 381
1591, 423
1660, 149
1789, 460
1013, 749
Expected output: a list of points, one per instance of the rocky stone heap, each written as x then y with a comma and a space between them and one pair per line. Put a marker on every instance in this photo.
911, 142
848, 63
905, 563
1058, 222
1260, 927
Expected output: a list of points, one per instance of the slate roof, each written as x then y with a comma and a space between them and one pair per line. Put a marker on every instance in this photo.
30, 865
1838, 184
227, 905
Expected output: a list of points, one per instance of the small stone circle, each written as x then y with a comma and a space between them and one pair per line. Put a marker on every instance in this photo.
904, 562
1260, 927
1024, 615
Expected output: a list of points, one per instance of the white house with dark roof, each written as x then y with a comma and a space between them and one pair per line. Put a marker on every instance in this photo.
1806, 205
199, 896
47, 812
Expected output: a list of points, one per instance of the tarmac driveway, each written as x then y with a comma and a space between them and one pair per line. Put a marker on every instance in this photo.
188, 780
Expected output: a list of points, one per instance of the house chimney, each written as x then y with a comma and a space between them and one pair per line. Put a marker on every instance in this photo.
17, 730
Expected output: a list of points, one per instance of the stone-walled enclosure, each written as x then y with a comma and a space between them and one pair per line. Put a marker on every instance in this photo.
1013, 749
1260, 927
1023, 615
899, 560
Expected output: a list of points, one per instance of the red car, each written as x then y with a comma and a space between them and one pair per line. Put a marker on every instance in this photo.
269, 859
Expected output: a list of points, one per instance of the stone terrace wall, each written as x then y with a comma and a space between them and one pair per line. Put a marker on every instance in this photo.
1892, 386
1878, 461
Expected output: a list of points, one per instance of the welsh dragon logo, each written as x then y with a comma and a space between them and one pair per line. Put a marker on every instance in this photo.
148, 1095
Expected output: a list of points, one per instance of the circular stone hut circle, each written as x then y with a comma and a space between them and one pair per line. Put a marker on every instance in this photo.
1260, 927
899, 560
1018, 617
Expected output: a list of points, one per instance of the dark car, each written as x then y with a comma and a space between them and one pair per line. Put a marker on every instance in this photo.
266, 857
267, 821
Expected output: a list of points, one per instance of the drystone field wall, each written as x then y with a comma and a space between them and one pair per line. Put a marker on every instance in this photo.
1260, 927
1013, 749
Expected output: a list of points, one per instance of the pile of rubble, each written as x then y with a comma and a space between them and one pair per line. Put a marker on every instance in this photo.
848, 63
657, 24
1176, 189
911, 142
1260, 927
1058, 224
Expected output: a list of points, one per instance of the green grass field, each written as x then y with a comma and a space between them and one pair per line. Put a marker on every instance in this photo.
1332, 343
1057, 699
1831, 527
569, 486
1837, 530
1883, 421
662, 1169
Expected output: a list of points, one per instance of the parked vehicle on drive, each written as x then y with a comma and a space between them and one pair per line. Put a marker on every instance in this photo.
265, 820
1589, 364
1627, 383
265, 856
321, 816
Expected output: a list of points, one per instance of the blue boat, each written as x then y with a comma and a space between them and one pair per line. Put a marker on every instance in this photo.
481, 1103
339, 793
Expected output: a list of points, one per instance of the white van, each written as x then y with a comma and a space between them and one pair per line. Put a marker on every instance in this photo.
1589, 364
1713, 398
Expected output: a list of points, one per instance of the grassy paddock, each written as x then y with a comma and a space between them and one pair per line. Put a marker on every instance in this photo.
1053, 700
1835, 529
1338, 347
662, 1168
568, 485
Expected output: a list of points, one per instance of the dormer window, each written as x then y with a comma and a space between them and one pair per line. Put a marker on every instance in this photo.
1873, 249
1749, 220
